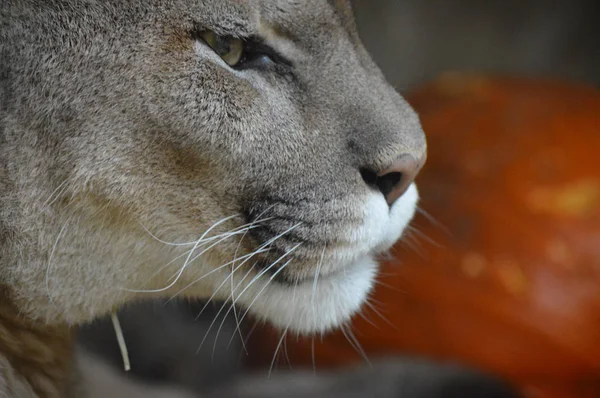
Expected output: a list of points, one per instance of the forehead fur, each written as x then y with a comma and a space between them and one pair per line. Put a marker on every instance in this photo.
303, 21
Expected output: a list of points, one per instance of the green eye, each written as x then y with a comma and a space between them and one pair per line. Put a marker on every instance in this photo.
241, 54
230, 49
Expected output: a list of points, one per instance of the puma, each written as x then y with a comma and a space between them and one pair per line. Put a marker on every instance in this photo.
228, 150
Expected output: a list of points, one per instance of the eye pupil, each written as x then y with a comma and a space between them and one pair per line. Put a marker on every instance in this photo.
230, 49
222, 45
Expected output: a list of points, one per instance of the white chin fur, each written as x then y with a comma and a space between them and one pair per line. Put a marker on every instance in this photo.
337, 297
400, 215
305, 310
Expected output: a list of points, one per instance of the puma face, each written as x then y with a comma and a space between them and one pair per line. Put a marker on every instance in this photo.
242, 151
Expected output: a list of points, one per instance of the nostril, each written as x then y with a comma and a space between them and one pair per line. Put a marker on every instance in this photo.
370, 177
384, 184
394, 180
388, 182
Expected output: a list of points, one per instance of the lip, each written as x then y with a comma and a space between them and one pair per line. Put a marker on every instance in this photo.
285, 241
291, 280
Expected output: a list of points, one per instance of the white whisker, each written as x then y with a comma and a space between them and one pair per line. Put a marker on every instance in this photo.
354, 343
435, 222
269, 242
210, 327
62, 187
316, 278
237, 322
277, 350
232, 307
235, 315
247, 257
225, 236
191, 243
263, 288
213, 295
244, 340
285, 350
312, 354
268, 281
374, 309
256, 277
187, 261
236, 319
175, 277
363, 316
159, 270
50, 260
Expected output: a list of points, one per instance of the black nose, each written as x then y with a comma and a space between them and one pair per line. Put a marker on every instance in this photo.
394, 180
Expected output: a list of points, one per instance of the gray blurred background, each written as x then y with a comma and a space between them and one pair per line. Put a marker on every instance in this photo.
414, 40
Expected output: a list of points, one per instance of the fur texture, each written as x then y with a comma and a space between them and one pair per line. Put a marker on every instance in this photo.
35, 359
136, 163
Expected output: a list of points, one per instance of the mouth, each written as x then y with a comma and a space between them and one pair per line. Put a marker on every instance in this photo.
298, 270
313, 287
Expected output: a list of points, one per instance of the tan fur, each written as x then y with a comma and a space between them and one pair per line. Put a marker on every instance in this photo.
120, 131
34, 357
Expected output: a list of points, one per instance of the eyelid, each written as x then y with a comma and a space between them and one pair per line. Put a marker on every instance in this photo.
257, 45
